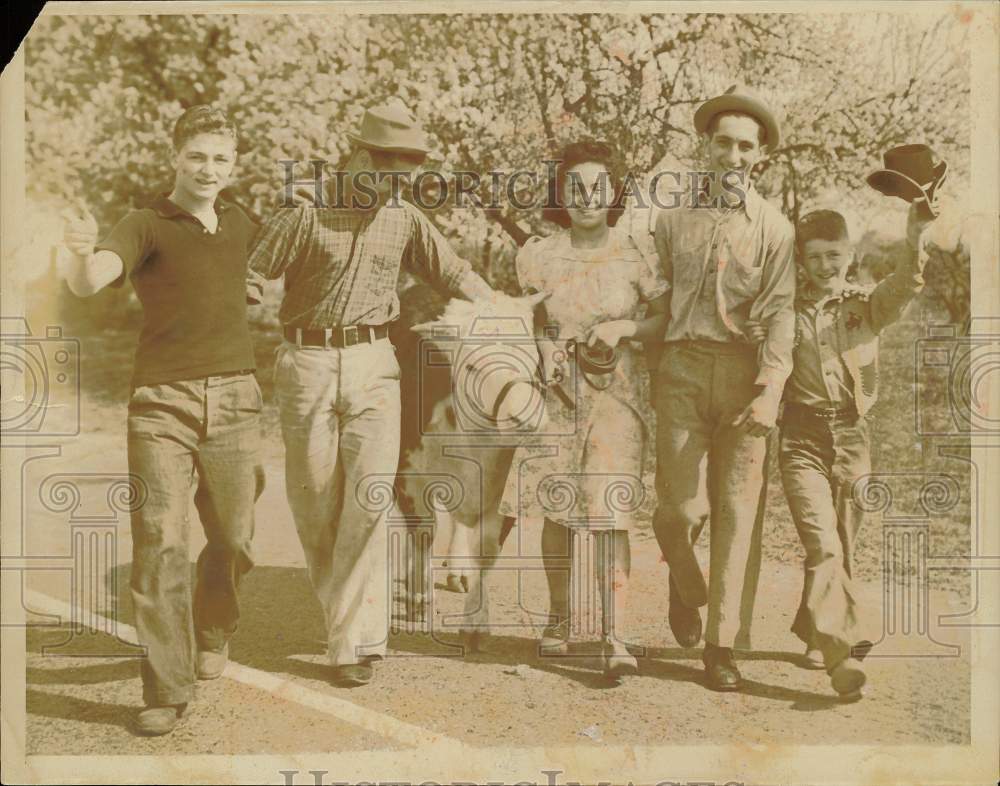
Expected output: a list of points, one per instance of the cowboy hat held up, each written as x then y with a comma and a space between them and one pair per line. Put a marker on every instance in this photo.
911, 173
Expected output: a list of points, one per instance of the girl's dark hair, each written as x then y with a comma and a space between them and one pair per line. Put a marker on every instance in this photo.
585, 151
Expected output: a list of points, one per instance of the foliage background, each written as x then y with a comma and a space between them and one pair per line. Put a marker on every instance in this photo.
495, 92
502, 92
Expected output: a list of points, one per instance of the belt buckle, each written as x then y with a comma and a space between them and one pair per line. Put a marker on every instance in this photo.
348, 331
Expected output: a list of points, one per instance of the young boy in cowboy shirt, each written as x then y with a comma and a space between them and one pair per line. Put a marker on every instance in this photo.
825, 444
194, 411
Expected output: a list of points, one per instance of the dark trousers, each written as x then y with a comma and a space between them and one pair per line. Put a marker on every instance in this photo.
821, 461
204, 431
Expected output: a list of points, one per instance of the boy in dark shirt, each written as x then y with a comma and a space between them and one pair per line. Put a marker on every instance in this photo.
194, 410
825, 444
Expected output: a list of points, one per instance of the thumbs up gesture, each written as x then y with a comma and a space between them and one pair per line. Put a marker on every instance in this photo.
80, 230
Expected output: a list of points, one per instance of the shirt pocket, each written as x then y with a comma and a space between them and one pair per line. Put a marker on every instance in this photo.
741, 277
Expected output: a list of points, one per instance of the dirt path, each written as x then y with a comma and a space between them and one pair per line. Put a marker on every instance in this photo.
506, 696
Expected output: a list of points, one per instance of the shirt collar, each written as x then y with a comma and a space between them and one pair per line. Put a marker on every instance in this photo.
166, 208
809, 296
752, 202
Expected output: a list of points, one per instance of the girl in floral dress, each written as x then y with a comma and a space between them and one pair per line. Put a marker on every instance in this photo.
585, 474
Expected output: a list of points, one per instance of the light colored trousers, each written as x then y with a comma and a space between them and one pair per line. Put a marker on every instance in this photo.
709, 471
195, 432
340, 417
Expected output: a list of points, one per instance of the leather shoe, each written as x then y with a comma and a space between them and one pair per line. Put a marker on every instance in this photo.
211, 663
352, 675
155, 721
848, 677
721, 673
685, 622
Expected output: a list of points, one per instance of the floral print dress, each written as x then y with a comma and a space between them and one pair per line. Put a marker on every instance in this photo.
585, 469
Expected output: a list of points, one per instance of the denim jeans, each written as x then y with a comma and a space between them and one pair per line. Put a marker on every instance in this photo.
709, 471
205, 430
821, 461
340, 419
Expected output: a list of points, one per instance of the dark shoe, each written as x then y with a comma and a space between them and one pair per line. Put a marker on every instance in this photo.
352, 675
848, 678
370, 660
860, 650
212, 664
156, 721
685, 623
721, 673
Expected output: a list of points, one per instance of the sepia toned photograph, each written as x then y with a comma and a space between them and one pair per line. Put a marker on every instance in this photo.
542, 393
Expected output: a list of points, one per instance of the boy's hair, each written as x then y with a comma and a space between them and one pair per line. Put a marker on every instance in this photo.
713, 124
203, 119
585, 151
821, 225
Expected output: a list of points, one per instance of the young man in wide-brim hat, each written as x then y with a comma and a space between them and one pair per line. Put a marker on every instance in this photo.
336, 373
729, 262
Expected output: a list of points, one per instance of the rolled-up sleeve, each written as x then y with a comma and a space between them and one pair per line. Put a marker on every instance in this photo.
430, 256
774, 307
277, 245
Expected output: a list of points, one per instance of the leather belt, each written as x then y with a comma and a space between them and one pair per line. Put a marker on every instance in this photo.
340, 336
825, 413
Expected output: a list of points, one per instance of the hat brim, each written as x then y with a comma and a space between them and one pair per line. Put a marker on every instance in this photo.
737, 103
896, 184
362, 142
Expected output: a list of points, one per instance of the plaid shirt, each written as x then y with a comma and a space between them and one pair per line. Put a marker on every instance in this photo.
342, 266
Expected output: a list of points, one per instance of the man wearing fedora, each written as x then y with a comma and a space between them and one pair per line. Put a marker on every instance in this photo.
336, 373
728, 259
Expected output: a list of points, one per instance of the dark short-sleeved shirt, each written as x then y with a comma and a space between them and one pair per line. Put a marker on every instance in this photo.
192, 286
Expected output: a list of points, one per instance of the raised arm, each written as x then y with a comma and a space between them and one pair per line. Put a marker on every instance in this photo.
894, 292
89, 271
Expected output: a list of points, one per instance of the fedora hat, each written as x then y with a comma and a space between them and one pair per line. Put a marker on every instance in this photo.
739, 98
392, 128
910, 173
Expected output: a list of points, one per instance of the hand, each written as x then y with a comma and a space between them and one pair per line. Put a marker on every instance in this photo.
917, 221
611, 333
80, 230
756, 331
761, 414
